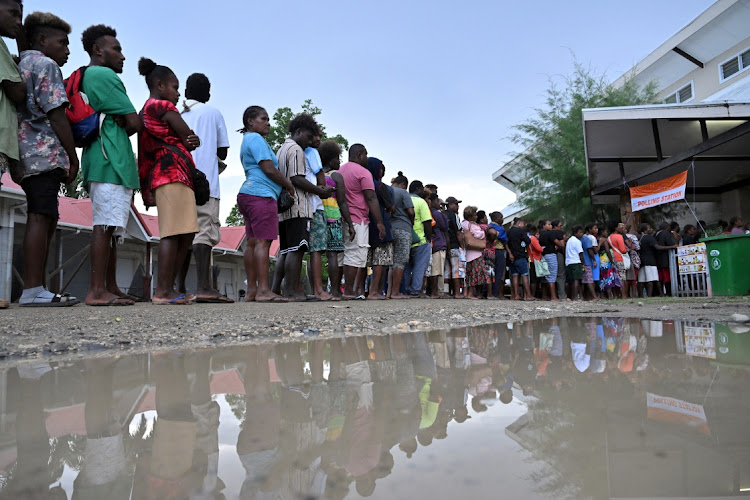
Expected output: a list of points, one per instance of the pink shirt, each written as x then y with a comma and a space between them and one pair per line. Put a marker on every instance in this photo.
478, 233
356, 179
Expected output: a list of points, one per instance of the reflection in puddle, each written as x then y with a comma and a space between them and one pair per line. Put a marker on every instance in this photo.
577, 407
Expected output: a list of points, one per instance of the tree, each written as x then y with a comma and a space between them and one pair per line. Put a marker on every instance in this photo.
235, 217
556, 183
280, 128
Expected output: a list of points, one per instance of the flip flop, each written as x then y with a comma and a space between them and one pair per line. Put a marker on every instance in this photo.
277, 299
313, 298
353, 297
180, 300
116, 301
217, 299
56, 301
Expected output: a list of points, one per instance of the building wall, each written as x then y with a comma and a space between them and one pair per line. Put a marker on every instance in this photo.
706, 80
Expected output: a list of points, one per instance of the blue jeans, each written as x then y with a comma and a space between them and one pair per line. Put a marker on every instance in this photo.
498, 286
419, 259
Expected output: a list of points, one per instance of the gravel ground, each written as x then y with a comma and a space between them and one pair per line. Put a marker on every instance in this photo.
82, 331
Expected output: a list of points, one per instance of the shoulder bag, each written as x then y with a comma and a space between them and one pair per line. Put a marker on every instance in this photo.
625, 256
285, 201
541, 267
472, 242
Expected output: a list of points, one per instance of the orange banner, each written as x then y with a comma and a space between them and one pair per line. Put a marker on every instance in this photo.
659, 192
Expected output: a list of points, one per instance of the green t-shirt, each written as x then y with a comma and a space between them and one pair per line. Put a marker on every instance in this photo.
421, 214
107, 95
8, 117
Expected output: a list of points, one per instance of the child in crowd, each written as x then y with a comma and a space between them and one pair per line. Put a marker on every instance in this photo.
47, 154
165, 168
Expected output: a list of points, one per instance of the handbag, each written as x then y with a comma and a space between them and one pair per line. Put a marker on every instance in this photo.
285, 201
541, 267
472, 242
625, 256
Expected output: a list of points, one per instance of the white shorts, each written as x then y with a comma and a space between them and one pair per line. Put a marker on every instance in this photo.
648, 273
110, 205
209, 224
355, 252
438, 263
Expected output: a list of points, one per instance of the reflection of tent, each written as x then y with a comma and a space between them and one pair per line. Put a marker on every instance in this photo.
642, 144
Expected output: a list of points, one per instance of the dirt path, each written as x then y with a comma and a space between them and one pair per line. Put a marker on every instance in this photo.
86, 331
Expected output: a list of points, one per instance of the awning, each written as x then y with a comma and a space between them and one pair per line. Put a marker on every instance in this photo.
641, 144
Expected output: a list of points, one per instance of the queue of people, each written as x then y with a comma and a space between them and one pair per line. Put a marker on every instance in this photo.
387, 241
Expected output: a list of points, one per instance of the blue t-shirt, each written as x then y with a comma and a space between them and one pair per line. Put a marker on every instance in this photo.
586, 244
255, 149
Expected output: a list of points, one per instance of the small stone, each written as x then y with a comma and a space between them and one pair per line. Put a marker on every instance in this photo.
118, 318
739, 318
640, 304
664, 308
297, 334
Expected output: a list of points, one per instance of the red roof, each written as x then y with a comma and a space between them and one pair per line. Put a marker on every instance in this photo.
232, 237
76, 212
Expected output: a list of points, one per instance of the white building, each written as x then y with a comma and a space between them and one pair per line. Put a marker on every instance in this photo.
705, 62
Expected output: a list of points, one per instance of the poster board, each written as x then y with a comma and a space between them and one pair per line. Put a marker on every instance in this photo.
692, 259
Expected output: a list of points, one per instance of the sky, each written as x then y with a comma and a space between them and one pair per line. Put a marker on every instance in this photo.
431, 88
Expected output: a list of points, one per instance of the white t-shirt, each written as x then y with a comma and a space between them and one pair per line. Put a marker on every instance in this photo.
313, 165
580, 359
572, 248
208, 124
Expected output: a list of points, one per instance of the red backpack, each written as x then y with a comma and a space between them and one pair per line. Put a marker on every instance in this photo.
84, 120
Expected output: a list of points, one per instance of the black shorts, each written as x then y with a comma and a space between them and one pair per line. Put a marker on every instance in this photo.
294, 234
42, 191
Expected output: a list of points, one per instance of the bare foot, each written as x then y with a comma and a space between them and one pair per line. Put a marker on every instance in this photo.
398, 296
323, 296
269, 297
106, 299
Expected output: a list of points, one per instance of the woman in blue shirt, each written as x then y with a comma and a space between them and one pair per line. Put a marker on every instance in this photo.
257, 201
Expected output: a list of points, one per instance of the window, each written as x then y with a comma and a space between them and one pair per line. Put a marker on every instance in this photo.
685, 94
734, 66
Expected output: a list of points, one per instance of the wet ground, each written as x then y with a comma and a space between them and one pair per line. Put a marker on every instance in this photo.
577, 407
81, 331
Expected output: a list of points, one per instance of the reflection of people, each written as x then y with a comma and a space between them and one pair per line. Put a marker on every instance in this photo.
32, 475
165, 472
105, 471
258, 439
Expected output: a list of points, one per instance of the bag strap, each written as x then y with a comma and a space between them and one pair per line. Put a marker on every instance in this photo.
612, 246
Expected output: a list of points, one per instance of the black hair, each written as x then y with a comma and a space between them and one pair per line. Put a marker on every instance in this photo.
589, 226
39, 21
355, 150
664, 226
92, 34
643, 227
517, 221
153, 72
532, 229
495, 216
612, 226
481, 214
688, 228
575, 229
555, 222
328, 150
198, 87
415, 186
250, 113
432, 187
400, 179
733, 221
506, 397
303, 122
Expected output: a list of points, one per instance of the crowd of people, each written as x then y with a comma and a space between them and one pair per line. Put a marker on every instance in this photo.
382, 240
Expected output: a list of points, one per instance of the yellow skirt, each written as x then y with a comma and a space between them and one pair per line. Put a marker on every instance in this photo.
177, 211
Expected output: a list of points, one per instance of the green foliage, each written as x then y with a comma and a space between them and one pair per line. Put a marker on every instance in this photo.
75, 189
234, 218
282, 117
556, 183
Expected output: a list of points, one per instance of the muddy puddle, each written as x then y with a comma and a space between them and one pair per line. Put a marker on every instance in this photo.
575, 407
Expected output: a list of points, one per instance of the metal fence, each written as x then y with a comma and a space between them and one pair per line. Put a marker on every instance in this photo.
688, 285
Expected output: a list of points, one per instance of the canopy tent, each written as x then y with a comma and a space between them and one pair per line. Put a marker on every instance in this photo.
641, 144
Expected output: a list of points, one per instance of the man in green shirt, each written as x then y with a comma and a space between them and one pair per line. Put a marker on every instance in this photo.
109, 169
421, 252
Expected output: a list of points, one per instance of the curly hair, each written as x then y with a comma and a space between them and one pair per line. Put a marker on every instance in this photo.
198, 87
92, 34
303, 122
153, 72
38, 21
329, 150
